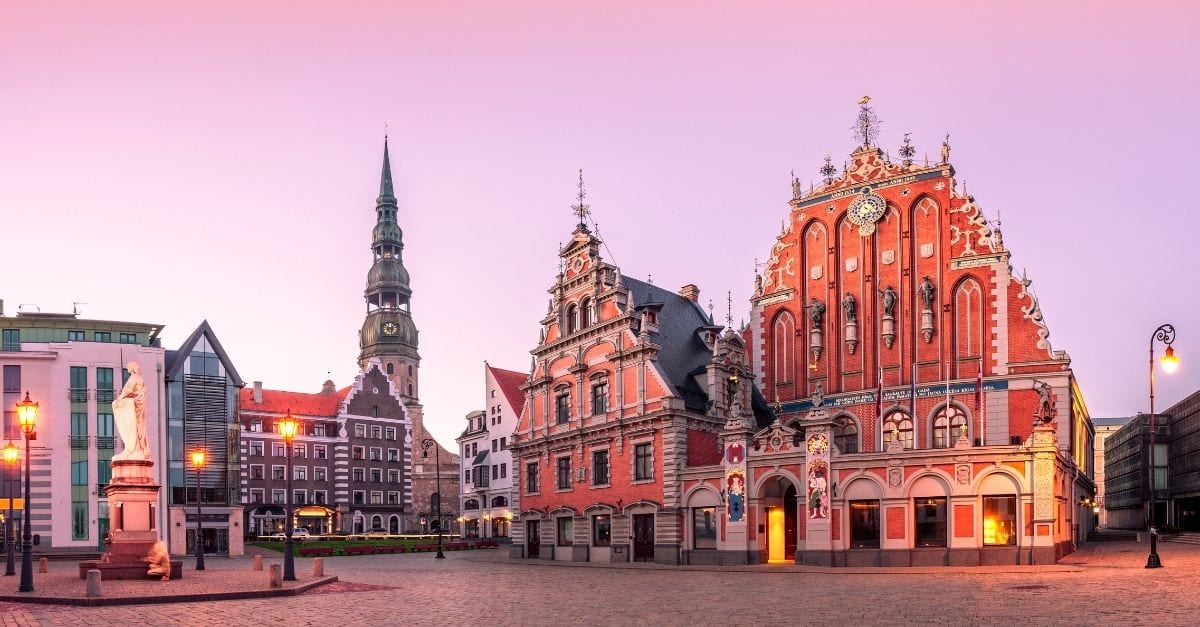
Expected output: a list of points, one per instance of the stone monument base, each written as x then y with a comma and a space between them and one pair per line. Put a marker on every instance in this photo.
132, 499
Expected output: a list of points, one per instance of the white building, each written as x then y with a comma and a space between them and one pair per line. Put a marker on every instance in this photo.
73, 369
486, 466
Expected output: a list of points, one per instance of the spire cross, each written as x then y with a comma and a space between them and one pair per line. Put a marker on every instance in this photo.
581, 209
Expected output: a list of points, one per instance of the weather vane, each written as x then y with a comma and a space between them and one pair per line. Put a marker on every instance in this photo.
581, 209
866, 125
729, 309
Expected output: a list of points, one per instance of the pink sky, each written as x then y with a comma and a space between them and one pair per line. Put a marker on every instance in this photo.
169, 162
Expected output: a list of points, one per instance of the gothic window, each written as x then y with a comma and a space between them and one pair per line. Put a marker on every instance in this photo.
898, 426
391, 368
845, 435
948, 424
968, 324
784, 344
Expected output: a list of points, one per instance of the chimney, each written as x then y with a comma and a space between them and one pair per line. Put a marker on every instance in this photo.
690, 292
258, 392
328, 388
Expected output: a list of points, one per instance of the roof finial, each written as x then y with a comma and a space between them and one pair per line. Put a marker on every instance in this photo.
907, 151
710, 310
581, 209
866, 125
828, 170
728, 309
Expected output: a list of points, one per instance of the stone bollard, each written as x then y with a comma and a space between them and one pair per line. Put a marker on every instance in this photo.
43, 565
93, 583
276, 576
257, 562
318, 567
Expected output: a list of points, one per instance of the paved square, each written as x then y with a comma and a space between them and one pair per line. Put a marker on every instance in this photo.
1110, 586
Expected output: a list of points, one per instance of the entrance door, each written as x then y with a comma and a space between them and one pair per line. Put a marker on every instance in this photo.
533, 539
643, 537
789, 524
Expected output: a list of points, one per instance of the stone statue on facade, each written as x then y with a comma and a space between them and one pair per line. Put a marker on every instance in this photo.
889, 301
850, 307
797, 187
926, 291
946, 151
816, 312
129, 416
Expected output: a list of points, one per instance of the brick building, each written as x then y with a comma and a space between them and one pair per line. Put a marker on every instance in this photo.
922, 415
618, 401
916, 412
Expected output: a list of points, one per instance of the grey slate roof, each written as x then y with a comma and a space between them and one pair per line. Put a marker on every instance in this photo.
683, 352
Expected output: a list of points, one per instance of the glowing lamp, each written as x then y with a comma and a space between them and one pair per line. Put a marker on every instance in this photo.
27, 414
288, 426
11, 454
1170, 363
198, 458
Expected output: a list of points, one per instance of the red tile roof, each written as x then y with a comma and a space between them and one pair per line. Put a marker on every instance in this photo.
510, 383
299, 403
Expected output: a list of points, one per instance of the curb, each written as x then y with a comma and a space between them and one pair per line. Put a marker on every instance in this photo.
174, 598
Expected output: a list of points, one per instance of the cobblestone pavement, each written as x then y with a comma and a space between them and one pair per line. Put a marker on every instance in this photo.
1108, 586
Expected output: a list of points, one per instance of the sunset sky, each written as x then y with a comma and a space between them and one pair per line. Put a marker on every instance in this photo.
170, 162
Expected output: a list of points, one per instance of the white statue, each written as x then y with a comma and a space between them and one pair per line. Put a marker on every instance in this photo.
129, 415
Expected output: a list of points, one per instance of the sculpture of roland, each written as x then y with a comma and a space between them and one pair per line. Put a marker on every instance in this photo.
129, 415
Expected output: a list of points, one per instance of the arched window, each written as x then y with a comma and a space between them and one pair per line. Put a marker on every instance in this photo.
784, 332
499, 501
391, 368
968, 327
845, 435
394, 525
376, 522
948, 424
587, 313
898, 426
471, 504
572, 318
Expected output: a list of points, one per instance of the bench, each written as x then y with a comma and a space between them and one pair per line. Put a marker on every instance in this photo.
425, 547
487, 544
358, 550
457, 546
313, 551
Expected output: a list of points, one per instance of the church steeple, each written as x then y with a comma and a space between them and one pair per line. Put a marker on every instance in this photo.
388, 331
385, 179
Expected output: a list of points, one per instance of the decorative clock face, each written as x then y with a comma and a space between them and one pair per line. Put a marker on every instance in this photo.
390, 328
866, 210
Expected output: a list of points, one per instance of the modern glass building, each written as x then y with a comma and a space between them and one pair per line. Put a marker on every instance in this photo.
202, 413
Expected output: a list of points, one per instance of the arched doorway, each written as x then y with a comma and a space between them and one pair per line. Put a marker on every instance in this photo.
778, 496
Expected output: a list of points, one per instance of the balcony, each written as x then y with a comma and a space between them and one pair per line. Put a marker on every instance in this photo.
79, 441
105, 442
105, 396
77, 395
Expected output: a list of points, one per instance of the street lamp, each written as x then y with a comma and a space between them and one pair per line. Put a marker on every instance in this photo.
27, 416
198, 464
1170, 363
11, 455
437, 462
287, 429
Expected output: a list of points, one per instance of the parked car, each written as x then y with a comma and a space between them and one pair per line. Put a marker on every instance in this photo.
298, 533
378, 532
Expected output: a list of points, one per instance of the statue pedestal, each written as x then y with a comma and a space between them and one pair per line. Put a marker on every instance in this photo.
132, 512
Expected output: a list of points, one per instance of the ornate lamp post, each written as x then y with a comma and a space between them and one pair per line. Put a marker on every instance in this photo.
27, 416
287, 429
11, 455
1170, 363
437, 457
198, 464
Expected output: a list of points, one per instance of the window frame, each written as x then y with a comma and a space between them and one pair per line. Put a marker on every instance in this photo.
643, 465
859, 535
562, 472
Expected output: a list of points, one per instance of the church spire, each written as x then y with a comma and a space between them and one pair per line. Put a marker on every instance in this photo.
385, 179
